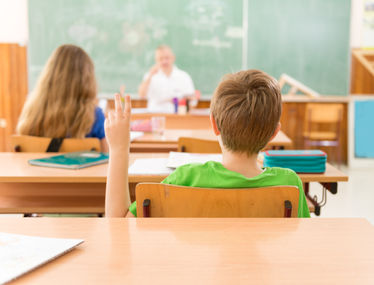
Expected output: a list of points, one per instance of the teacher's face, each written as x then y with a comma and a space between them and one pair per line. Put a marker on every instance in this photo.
165, 58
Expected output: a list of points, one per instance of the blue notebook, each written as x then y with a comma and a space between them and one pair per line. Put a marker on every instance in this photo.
72, 160
301, 161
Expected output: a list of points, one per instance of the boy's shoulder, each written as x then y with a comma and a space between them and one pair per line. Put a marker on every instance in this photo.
192, 168
282, 174
192, 173
281, 171
216, 166
214, 174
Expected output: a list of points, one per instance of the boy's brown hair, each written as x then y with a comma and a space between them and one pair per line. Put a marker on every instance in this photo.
246, 107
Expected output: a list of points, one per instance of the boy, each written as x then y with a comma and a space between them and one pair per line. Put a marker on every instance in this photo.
245, 113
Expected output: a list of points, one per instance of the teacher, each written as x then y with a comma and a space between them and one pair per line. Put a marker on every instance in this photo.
164, 81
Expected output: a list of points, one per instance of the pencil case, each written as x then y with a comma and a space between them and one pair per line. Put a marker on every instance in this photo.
300, 161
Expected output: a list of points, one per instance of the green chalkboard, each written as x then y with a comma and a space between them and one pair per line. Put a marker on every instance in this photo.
121, 36
307, 39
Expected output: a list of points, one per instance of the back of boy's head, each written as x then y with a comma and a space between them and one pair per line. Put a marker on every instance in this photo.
246, 107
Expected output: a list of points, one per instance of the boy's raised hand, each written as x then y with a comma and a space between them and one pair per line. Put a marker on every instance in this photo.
117, 125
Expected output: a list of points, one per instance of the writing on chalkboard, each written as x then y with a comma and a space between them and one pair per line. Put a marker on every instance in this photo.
307, 39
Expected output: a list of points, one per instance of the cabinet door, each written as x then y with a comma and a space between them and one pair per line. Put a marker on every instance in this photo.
13, 89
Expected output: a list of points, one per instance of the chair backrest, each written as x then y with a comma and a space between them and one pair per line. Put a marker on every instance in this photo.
323, 113
22, 143
194, 145
166, 200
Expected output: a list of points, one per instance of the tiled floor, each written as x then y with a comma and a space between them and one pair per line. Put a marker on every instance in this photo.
355, 198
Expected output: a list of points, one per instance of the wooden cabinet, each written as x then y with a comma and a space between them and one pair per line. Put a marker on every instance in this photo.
13, 89
362, 75
293, 122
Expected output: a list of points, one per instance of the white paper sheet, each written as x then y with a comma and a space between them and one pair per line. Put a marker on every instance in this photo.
134, 135
177, 159
147, 111
150, 166
20, 254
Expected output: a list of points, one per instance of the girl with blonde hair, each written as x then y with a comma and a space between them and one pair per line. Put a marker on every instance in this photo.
63, 103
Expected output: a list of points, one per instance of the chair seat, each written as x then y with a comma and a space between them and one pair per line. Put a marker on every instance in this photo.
320, 135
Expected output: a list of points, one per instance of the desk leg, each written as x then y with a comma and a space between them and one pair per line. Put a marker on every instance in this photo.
313, 200
332, 187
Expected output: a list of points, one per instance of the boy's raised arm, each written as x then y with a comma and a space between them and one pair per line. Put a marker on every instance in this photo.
117, 131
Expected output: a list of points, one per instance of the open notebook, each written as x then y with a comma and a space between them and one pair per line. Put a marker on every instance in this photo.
134, 135
177, 159
164, 166
20, 254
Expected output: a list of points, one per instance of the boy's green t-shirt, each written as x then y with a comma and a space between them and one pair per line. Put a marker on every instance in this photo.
214, 175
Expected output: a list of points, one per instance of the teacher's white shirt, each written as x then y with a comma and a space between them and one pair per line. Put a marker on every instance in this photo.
162, 89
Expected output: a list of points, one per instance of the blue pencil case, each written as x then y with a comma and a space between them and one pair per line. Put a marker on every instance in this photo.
300, 161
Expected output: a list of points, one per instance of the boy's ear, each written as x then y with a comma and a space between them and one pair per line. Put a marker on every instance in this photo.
214, 125
277, 129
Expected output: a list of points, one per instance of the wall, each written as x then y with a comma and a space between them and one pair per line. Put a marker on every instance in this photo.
13, 68
13, 21
357, 13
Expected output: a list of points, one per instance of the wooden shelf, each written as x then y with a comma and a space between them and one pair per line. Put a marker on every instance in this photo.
362, 75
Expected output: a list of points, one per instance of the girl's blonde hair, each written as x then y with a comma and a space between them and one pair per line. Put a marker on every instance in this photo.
63, 101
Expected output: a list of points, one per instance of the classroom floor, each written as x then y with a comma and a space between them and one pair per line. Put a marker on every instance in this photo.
355, 198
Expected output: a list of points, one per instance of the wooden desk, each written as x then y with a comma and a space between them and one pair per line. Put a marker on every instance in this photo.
204, 251
31, 189
151, 142
196, 119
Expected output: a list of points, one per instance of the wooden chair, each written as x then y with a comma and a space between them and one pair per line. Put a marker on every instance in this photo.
40, 144
322, 126
194, 145
164, 200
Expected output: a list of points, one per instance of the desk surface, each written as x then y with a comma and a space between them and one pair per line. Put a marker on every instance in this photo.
204, 251
306, 99
196, 119
137, 113
321, 99
172, 136
14, 168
